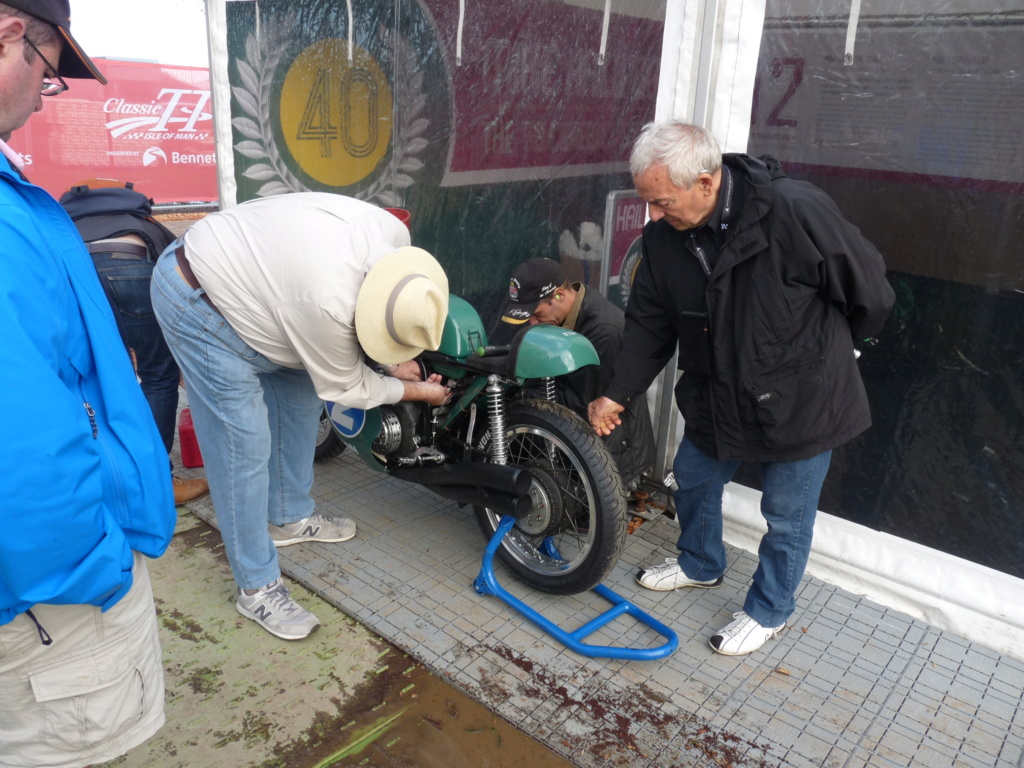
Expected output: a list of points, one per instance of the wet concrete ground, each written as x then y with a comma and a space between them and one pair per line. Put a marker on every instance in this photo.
239, 697
850, 683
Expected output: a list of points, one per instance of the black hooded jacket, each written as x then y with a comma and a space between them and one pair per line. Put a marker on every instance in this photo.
766, 341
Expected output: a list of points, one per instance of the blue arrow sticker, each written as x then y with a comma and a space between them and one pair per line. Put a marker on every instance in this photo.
349, 421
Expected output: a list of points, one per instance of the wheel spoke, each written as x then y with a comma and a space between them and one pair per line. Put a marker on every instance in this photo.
564, 550
565, 537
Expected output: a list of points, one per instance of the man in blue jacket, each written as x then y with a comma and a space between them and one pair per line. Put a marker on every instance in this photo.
763, 287
86, 490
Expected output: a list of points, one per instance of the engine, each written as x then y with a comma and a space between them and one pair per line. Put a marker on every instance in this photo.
398, 434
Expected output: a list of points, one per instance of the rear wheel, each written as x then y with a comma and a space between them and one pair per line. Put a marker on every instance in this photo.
576, 529
328, 443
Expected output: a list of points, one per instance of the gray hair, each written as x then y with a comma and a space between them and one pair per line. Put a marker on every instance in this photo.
686, 150
38, 31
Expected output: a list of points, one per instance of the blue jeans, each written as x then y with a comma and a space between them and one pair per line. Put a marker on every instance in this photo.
256, 422
125, 281
789, 503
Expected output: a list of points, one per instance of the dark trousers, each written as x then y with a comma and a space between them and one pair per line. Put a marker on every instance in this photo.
126, 281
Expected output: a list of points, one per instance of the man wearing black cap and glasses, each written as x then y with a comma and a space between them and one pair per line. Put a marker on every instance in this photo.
540, 293
86, 491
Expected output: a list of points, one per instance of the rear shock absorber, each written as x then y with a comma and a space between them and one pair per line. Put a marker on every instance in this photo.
496, 412
547, 385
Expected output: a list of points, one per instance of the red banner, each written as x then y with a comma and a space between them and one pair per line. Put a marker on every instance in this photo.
533, 95
151, 125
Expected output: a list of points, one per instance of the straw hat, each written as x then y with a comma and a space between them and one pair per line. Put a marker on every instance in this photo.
402, 306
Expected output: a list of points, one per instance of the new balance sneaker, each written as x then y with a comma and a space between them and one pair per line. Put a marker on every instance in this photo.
669, 576
742, 635
316, 527
273, 609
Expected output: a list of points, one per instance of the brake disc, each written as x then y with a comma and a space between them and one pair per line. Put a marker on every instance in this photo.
547, 507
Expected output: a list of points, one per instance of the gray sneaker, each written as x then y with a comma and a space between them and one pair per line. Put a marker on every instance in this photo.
274, 610
316, 527
669, 576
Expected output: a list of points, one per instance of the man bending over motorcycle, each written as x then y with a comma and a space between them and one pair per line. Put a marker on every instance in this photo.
540, 292
269, 308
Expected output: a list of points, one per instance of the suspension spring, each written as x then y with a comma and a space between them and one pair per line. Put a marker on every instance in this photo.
547, 385
496, 412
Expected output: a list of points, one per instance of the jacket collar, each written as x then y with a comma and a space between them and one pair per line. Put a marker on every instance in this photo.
746, 236
756, 178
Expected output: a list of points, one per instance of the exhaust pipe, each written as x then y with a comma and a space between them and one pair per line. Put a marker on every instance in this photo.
502, 503
512, 481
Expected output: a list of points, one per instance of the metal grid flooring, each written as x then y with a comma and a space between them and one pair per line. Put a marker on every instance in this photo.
849, 683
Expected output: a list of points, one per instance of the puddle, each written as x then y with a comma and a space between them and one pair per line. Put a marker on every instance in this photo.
422, 722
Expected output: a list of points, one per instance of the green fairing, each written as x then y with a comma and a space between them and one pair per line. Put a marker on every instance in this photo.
547, 350
363, 442
463, 330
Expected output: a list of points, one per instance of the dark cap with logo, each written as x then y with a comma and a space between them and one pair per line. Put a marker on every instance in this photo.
532, 282
73, 61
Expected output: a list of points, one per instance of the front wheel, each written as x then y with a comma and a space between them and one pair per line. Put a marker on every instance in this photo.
328, 443
576, 529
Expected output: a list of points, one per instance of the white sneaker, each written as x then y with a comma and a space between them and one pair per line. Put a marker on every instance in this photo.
316, 527
669, 576
742, 635
273, 609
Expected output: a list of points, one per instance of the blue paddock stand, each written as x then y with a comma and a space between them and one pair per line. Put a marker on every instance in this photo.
487, 584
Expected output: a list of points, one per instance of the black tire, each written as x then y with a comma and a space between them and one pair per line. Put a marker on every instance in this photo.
328, 443
582, 513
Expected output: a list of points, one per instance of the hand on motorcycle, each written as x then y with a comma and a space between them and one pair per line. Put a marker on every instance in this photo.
431, 391
604, 415
407, 371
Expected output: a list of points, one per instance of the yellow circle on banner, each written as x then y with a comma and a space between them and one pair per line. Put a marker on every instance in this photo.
336, 115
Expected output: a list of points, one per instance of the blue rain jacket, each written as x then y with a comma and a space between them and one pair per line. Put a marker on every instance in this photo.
84, 476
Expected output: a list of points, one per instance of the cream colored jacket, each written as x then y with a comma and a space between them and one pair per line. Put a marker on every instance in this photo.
285, 272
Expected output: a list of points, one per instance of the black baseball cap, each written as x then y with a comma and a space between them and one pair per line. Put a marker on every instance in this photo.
532, 282
73, 61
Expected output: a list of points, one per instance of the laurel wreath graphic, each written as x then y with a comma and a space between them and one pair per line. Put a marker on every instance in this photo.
256, 72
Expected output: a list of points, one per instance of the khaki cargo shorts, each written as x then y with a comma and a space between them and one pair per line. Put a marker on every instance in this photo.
90, 696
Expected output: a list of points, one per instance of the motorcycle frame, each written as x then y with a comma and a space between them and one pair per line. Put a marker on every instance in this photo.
537, 352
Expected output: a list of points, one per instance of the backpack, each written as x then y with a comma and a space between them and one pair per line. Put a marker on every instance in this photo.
105, 208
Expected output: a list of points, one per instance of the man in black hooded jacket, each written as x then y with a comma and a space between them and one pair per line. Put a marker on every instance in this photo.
764, 288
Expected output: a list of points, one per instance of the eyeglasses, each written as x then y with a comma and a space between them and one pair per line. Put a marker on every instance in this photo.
49, 88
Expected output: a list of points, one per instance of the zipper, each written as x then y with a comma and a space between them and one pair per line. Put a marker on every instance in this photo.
92, 420
111, 469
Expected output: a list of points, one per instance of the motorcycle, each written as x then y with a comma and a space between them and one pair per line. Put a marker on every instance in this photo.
498, 448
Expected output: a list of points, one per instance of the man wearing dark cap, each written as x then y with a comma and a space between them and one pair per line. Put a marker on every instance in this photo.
540, 292
86, 491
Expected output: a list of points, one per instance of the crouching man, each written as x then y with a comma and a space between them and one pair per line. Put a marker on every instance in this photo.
540, 292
